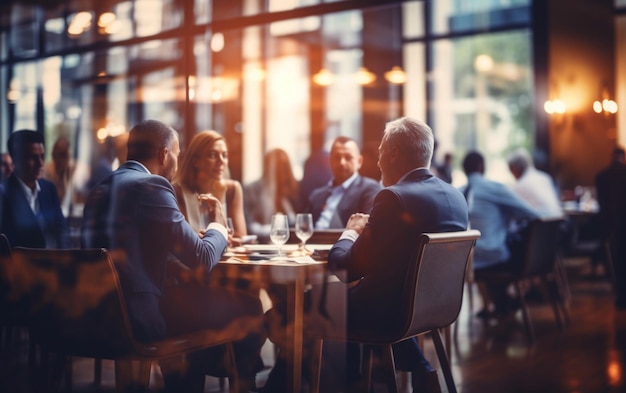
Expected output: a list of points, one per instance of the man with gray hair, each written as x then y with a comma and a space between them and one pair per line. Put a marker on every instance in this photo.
534, 186
376, 249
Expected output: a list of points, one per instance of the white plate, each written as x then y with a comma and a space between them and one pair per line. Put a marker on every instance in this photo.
269, 247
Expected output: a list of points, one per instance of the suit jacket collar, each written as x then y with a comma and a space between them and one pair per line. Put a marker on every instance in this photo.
418, 174
136, 166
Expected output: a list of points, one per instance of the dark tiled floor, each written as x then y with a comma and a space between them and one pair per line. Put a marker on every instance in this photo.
586, 357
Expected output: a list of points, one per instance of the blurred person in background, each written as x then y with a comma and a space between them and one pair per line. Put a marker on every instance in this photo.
497, 212
611, 191
6, 166
347, 192
275, 192
31, 213
60, 171
536, 187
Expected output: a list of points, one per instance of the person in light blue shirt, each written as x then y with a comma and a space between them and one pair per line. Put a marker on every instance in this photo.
496, 211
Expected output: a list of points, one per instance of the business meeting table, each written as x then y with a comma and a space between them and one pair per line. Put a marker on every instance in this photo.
259, 265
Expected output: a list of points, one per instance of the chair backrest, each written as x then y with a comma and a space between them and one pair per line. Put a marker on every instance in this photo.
542, 244
5, 247
434, 284
73, 300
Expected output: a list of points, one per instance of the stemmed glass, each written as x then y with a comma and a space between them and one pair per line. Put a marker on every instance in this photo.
279, 231
304, 229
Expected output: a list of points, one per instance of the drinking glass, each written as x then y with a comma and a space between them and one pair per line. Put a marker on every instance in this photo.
279, 231
304, 229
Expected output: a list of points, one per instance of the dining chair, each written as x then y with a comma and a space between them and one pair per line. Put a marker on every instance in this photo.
434, 288
13, 319
77, 308
540, 264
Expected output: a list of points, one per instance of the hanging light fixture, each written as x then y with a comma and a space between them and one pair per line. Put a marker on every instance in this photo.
324, 77
364, 77
396, 74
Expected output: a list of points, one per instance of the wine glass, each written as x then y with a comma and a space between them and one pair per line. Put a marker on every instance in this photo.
230, 226
279, 231
304, 229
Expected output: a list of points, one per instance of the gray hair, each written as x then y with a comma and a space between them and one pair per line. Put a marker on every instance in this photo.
147, 138
519, 160
413, 138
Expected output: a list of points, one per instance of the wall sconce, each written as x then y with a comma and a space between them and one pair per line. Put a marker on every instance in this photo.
554, 107
605, 104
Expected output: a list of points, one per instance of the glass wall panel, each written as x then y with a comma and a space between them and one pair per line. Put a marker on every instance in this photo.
293, 84
4, 45
466, 16
87, 21
482, 97
24, 88
24, 37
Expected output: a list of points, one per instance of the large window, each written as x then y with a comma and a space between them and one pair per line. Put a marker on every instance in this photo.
272, 74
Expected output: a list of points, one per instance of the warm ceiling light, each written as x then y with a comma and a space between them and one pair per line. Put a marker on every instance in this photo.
106, 19
396, 75
217, 42
364, 77
324, 77
255, 74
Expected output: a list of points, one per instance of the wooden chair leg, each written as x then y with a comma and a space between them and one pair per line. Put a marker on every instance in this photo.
97, 372
443, 360
68, 374
231, 368
145, 367
390, 369
124, 381
529, 327
316, 365
561, 275
367, 365
553, 295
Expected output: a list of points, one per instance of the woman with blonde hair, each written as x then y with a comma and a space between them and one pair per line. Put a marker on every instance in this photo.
203, 170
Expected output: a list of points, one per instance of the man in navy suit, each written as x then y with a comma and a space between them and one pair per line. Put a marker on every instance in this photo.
376, 249
347, 192
133, 212
31, 212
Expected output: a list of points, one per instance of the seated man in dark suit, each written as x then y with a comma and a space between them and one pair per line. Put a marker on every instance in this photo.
30, 211
347, 192
376, 249
133, 212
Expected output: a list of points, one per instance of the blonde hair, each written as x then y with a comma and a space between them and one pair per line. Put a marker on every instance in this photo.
186, 175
